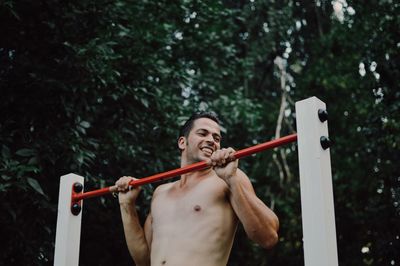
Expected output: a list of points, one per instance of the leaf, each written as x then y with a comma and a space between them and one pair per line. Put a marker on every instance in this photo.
5, 152
6, 177
145, 102
84, 124
35, 185
4, 187
25, 152
33, 160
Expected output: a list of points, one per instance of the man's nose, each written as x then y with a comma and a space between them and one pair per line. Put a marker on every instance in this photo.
210, 139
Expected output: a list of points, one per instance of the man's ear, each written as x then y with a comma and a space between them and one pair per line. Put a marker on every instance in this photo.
182, 143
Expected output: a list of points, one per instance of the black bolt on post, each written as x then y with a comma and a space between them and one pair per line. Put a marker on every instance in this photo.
78, 187
76, 208
322, 115
325, 142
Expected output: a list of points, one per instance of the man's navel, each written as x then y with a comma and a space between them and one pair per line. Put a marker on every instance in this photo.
197, 208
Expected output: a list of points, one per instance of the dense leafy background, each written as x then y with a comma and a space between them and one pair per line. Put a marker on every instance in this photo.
99, 88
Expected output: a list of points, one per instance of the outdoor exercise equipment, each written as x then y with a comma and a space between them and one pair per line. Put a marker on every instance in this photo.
319, 233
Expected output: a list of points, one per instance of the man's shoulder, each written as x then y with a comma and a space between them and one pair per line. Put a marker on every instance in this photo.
163, 188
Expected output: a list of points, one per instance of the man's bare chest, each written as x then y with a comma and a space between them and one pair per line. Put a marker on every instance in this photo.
190, 205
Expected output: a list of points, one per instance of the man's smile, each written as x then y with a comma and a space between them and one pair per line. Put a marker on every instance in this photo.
207, 150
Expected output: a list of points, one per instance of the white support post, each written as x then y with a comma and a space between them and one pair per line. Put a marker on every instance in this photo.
68, 225
319, 233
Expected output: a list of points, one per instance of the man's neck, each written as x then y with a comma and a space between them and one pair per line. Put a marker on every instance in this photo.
193, 176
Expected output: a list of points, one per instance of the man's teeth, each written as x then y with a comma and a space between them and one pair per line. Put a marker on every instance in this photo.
207, 150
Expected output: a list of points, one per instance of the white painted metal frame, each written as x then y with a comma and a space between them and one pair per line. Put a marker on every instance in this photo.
68, 225
319, 233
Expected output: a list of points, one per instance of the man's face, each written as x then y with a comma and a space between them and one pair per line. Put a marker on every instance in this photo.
203, 140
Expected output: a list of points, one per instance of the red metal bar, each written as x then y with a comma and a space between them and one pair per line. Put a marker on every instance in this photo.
189, 168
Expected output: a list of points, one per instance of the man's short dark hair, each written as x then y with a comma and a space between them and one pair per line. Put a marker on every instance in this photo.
185, 129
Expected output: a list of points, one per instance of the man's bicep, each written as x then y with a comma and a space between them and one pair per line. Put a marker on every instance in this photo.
245, 181
148, 230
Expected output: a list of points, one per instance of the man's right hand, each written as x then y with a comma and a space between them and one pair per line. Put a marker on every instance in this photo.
127, 194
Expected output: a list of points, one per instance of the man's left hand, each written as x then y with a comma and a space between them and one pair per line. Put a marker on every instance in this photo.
224, 163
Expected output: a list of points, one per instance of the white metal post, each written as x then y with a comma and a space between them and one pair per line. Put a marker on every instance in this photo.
68, 225
319, 233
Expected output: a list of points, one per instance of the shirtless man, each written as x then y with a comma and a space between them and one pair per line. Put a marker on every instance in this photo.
193, 221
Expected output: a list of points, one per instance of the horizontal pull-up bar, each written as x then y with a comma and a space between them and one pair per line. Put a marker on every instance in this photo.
189, 168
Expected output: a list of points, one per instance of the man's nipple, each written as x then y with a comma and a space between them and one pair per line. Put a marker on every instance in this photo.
197, 208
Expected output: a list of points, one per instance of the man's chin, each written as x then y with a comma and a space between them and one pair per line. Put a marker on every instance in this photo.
201, 158
205, 156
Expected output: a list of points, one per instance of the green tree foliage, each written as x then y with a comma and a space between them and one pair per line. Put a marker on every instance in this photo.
99, 88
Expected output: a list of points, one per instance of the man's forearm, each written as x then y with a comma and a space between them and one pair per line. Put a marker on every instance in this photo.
260, 223
134, 235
